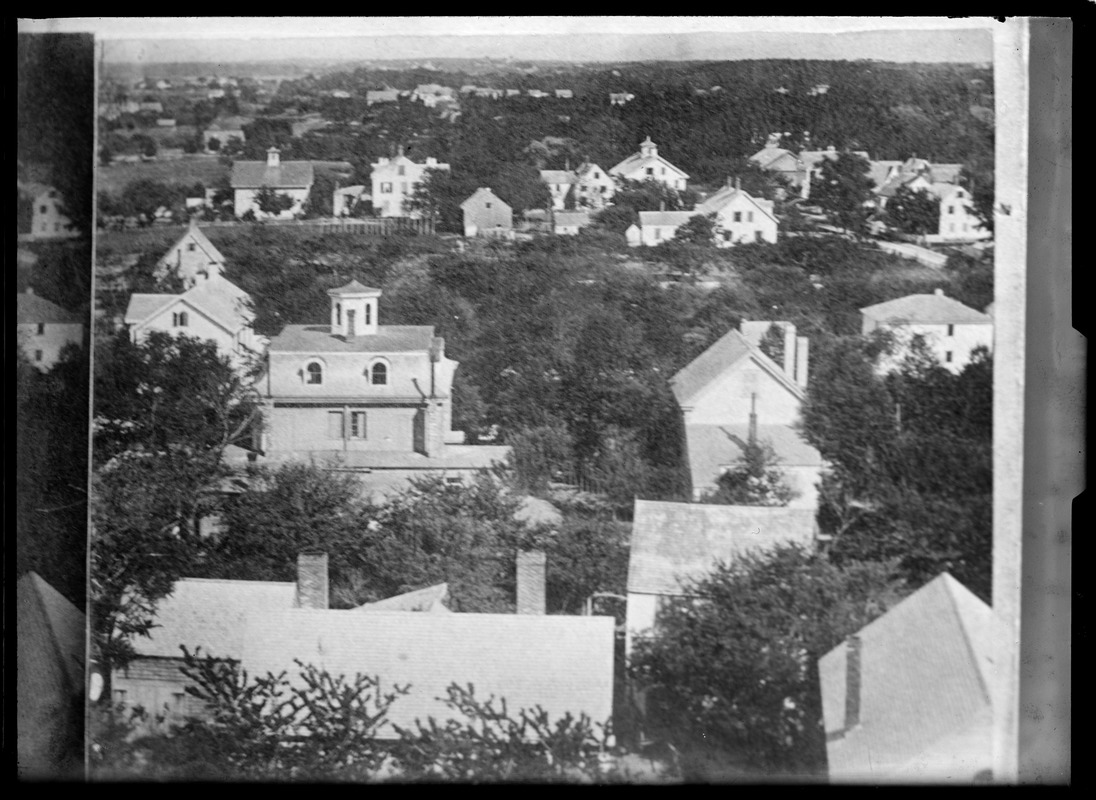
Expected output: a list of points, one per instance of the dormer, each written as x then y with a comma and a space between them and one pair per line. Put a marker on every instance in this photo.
354, 310
273, 157
648, 149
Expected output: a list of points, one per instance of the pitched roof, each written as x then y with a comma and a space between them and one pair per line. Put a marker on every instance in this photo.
387, 339
197, 235
926, 672
51, 635
727, 195
712, 447
880, 170
537, 511
925, 309
143, 306
562, 663
638, 159
483, 195
944, 190
768, 155
211, 614
34, 308
558, 176
431, 599
354, 287
287, 175
662, 218
721, 356
225, 303
673, 543
568, 218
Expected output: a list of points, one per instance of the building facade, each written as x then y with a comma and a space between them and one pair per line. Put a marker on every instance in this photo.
192, 258
740, 217
44, 329
291, 178
487, 214
647, 164
393, 183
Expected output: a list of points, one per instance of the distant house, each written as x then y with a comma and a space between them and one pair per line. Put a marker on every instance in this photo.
812, 162
785, 163
560, 183
50, 638
647, 164
151, 106
656, 227
44, 329
950, 329
166, 122
375, 96
740, 216
393, 183
569, 223
565, 94
674, 544
620, 98
223, 129
486, 214
489, 93
588, 186
561, 663
536, 93
733, 392
292, 178
193, 257
340, 94
908, 697
215, 309
958, 220
48, 220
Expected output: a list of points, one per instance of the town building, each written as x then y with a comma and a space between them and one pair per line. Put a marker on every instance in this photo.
50, 634
192, 258
647, 164
950, 329
345, 198
223, 129
45, 329
958, 221
373, 97
620, 98
908, 697
214, 309
740, 217
394, 181
656, 227
487, 214
732, 393
674, 544
292, 178
588, 186
48, 220
561, 663
370, 399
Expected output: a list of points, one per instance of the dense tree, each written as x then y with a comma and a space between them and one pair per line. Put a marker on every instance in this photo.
272, 202
755, 479
731, 676
700, 229
913, 212
144, 197
844, 191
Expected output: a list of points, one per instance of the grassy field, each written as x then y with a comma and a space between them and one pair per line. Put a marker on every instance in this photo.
185, 171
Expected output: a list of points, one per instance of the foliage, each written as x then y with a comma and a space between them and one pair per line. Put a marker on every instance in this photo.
916, 213
772, 343
844, 190
651, 195
700, 229
586, 553
754, 480
272, 202
735, 670
539, 456
144, 197
617, 218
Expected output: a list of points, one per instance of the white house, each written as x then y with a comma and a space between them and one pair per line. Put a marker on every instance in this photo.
656, 227
193, 257
673, 544
215, 309
909, 697
958, 221
487, 214
740, 216
647, 164
732, 393
292, 178
589, 186
44, 329
951, 329
48, 220
569, 223
375, 399
393, 183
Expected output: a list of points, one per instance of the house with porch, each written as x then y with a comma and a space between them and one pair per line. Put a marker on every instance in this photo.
647, 164
292, 178
733, 393
909, 697
365, 398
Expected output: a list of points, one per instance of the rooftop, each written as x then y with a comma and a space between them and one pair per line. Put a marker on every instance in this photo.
671, 218
387, 339
31, 308
721, 356
925, 309
713, 447
287, 175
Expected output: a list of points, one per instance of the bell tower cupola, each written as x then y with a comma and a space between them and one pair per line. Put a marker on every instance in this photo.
354, 310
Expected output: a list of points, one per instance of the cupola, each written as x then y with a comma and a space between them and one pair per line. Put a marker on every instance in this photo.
354, 310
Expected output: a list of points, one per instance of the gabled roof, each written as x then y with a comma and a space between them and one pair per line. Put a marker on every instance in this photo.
569, 218
767, 156
218, 298
537, 511
483, 195
562, 663
727, 195
710, 448
925, 309
51, 634
673, 543
663, 218
638, 159
211, 614
31, 308
944, 190
197, 235
721, 356
926, 674
387, 339
558, 176
431, 599
586, 167
143, 306
287, 175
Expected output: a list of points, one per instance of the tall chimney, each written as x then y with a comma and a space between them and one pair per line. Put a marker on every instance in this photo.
802, 344
738, 183
789, 350
852, 682
312, 580
531, 582
753, 419
661, 205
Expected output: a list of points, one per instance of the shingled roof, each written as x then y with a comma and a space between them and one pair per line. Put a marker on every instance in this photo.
721, 356
218, 298
925, 309
674, 543
387, 339
711, 448
31, 308
287, 175
922, 690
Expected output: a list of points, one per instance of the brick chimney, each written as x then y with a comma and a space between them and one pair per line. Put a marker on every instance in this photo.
852, 682
531, 582
312, 580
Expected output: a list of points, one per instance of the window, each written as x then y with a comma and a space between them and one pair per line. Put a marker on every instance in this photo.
738, 216
453, 479
45, 227
650, 170
41, 209
749, 216
603, 188
179, 699
350, 326
179, 319
951, 209
119, 695
37, 355
357, 424
313, 373
951, 330
402, 170
726, 236
334, 424
191, 247
947, 356
368, 314
41, 328
386, 188
403, 187
379, 374
596, 174
658, 233
338, 313
486, 205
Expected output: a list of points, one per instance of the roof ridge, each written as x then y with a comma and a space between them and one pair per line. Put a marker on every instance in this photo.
950, 584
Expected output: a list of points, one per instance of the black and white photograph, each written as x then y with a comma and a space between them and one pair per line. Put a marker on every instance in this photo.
594, 400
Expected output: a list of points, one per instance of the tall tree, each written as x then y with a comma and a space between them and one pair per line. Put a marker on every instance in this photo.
913, 212
844, 190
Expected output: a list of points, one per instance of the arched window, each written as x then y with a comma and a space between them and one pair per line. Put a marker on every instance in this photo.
313, 373
379, 374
